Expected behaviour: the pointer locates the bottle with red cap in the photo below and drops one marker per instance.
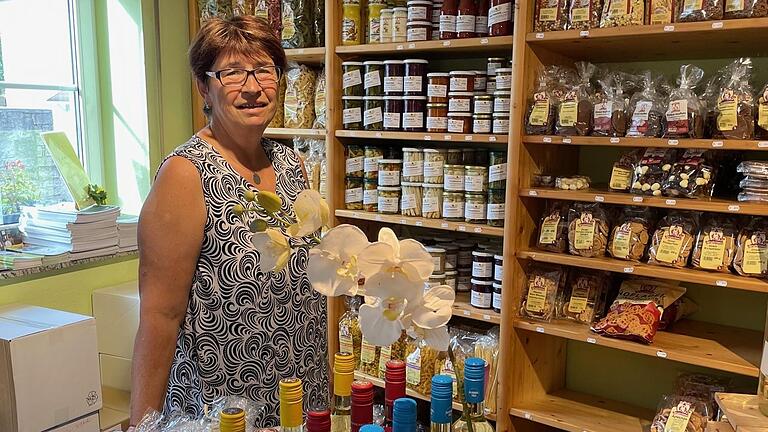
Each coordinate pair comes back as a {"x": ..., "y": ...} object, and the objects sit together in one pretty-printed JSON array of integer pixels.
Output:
[
  {"x": 394, "y": 388},
  {"x": 362, "y": 404},
  {"x": 318, "y": 421}
]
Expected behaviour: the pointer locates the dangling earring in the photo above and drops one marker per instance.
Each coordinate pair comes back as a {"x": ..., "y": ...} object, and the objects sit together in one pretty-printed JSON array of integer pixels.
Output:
[{"x": 207, "y": 109}]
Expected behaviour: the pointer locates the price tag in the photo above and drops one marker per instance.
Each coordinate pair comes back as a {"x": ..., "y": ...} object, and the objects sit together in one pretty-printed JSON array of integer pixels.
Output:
[
  {"x": 547, "y": 139},
  {"x": 399, "y": 47},
  {"x": 721, "y": 283},
  {"x": 762, "y": 144},
  {"x": 671, "y": 202},
  {"x": 669, "y": 28},
  {"x": 527, "y": 416},
  {"x": 615, "y": 140},
  {"x": 403, "y": 221},
  {"x": 566, "y": 140},
  {"x": 492, "y": 138},
  {"x": 629, "y": 269},
  {"x": 637, "y": 199},
  {"x": 444, "y": 225},
  {"x": 467, "y": 313},
  {"x": 411, "y": 45},
  {"x": 599, "y": 198},
  {"x": 734, "y": 208},
  {"x": 484, "y": 41},
  {"x": 533, "y": 193},
  {"x": 661, "y": 354},
  {"x": 539, "y": 329},
  {"x": 584, "y": 33},
  {"x": 378, "y": 217},
  {"x": 447, "y": 137},
  {"x": 462, "y": 228},
  {"x": 300, "y": 51},
  {"x": 468, "y": 137},
  {"x": 717, "y": 144},
  {"x": 478, "y": 230},
  {"x": 447, "y": 43},
  {"x": 419, "y": 223},
  {"x": 539, "y": 35},
  {"x": 378, "y": 135},
  {"x": 717, "y": 25},
  {"x": 673, "y": 142},
  {"x": 591, "y": 340},
  {"x": 427, "y": 137},
  {"x": 487, "y": 317}
]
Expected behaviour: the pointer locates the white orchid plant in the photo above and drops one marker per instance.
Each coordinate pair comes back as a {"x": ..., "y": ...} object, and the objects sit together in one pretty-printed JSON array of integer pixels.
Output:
[{"x": 390, "y": 273}]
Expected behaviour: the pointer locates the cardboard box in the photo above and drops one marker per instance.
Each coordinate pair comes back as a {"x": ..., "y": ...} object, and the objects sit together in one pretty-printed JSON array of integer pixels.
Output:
[
  {"x": 114, "y": 413},
  {"x": 89, "y": 423},
  {"x": 49, "y": 368},
  {"x": 116, "y": 310},
  {"x": 115, "y": 372}
]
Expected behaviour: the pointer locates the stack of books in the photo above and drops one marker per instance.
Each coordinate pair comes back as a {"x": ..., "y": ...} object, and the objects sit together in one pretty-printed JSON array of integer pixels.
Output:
[
  {"x": 16, "y": 260},
  {"x": 127, "y": 228}
]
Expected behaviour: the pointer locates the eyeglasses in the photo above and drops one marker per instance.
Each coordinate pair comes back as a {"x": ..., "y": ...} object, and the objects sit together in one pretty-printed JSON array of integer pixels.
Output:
[{"x": 264, "y": 75}]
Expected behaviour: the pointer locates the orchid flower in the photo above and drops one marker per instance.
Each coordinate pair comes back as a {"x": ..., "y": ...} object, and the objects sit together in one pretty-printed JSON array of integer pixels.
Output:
[
  {"x": 380, "y": 320},
  {"x": 428, "y": 319},
  {"x": 332, "y": 267},
  {"x": 312, "y": 213},
  {"x": 273, "y": 248}
]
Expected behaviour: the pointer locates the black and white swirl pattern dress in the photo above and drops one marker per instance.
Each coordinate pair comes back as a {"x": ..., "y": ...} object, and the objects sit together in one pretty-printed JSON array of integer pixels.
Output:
[{"x": 245, "y": 329}]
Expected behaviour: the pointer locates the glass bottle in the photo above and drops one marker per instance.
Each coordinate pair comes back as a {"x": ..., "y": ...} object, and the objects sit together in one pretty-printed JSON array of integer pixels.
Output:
[
  {"x": 232, "y": 420},
  {"x": 474, "y": 394},
  {"x": 404, "y": 415},
  {"x": 291, "y": 405},
  {"x": 319, "y": 421},
  {"x": 441, "y": 409},
  {"x": 343, "y": 375},
  {"x": 371, "y": 428},
  {"x": 362, "y": 404},
  {"x": 394, "y": 388}
]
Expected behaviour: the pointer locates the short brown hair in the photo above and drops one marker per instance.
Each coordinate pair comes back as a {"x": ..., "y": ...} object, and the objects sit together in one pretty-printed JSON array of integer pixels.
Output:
[{"x": 241, "y": 35}]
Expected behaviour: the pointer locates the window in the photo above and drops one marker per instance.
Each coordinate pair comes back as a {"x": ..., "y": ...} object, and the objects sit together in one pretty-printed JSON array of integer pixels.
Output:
[{"x": 39, "y": 92}]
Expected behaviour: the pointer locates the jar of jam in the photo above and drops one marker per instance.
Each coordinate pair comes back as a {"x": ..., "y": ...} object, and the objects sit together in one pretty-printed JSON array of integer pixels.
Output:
[
  {"x": 373, "y": 116},
  {"x": 462, "y": 81},
  {"x": 490, "y": 85},
  {"x": 437, "y": 6},
  {"x": 498, "y": 268},
  {"x": 394, "y": 73},
  {"x": 453, "y": 206},
  {"x": 501, "y": 123},
  {"x": 481, "y": 123},
  {"x": 474, "y": 208},
  {"x": 480, "y": 80},
  {"x": 482, "y": 265},
  {"x": 504, "y": 79},
  {"x": 464, "y": 280},
  {"x": 448, "y": 19},
  {"x": 420, "y": 10},
  {"x": 415, "y": 79},
  {"x": 502, "y": 101},
  {"x": 352, "y": 116},
  {"x": 453, "y": 178},
  {"x": 495, "y": 63},
  {"x": 496, "y": 207},
  {"x": 483, "y": 104},
  {"x": 371, "y": 196},
  {"x": 500, "y": 18},
  {"x": 481, "y": 19},
  {"x": 450, "y": 279},
  {"x": 496, "y": 301},
  {"x": 385, "y": 25},
  {"x": 460, "y": 123},
  {"x": 454, "y": 157},
  {"x": 482, "y": 294},
  {"x": 437, "y": 117},
  {"x": 465, "y": 19},
  {"x": 419, "y": 31},
  {"x": 436, "y": 30},
  {"x": 437, "y": 87},
  {"x": 413, "y": 114},
  {"x": 373, "y": 80},
  {"x": 399, "y": 24},
  {"x": 465, "y": 255},
  {"x": 460, "y": 102},
  {"x": 352, "y": 79},
  {"x": 393, "y": 112}
]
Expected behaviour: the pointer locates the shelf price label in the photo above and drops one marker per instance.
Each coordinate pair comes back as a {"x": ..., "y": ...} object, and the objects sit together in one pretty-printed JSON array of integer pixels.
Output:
[
  {"x": 591, "y": 340},
  {"x": 539, "y": 35},
  {"x": 533, "y": 193},
  {"x": 468, "y": 137},
  {"x": 427, "y": 137},
  {"x": 615, "y": 140},
  {"x": 599, "y": 198},
  {"x": 539, "y": 329},
  {"x": 584, "y": 33},
  {"x": 492, "y": 138},
  {"x": 661, "y": 354},
  {"x": 717, "y": 144},
  {"x": 673, "y": 142},
  {"x": 411, "y": 45},
  {"x": 478, "y": 230},
  {"x": 671, "y": 202},
  {"x": 717, "y": 25},
  {"x": 399, "y": 47},
  {"x": 447, "y": 43},
  {"x": 403, "y": 221},
  {"x": 669, "y": 28},
  {"x": 444, "y": 225},
  {"x": 461, "y": 228},
  {"x": 419, "y": 223},
  {"x": 547, "y": 139},
  {"x": 378, "y": 217},
  {"x": 721, "y": 283},
  {"x": 734, "y": 208},
  {"x": 567, "y": 141},
  {"x": 484, "y": 41},
  {"x": 762, "y": 144},
  {"x": 629, "y": 269},
  {"x": 487, "y": 317},
  {"x": 378, "y": 135},
  {"x": 637, "y": 199},
  {"x": 467, "y": 313},
  {"x": 447, "y": 137},
  {"x": 300, "y": 51},
  {"x": 527, "y": 416}
]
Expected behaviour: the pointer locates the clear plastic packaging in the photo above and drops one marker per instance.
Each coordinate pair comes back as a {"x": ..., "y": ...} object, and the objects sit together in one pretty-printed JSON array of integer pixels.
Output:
[
  {"x": 278, "y": 121},
  {"x": 631, "y": 234},
  {"x": 551, "y": 15},
  {"x": 584, "y": 14},
  {"x": 242, "y": 7},
  {"x": 588, "y": 229},
  {"x": 715, "y": 244},
  {"x": 673, "y": 241},
  {"x": 553, "y": 227},
  {"x": 350, "y": 335},
  {"x": 610, "y": 113},
  {"x": 541, "y": 289},
  {"x": 623, "y": 170},
  {"x": 623, "y": 13},
  {"x": 646, "y": 109},
  {"x": 652, "y": 171},
  {"x": 299, "y": 96},
  {"x": 735, "y": 109},
  {"x": 693, "y": 176},
  {"x": 745, "y": 9},
  {"x": 583, "y": 297},
  {"x": 298, "y": 27},
  {"x": 576, "y": 109},
  {"x": 320, "y": 107},
  {"x": 699, "y": 10},
  {"x": 176, "y": 421},
  {"x": 689, "y": 413},
  {"x": 577, "y": 182},
  {"x": 752, "y": 249},
  {"x": 757, "y": 169},
  {"x": 420, "y": 361},
  {"x": 762, "y": 114},
  {"x": 686, "y": 113},
  {"x": 542, "y": 106}
]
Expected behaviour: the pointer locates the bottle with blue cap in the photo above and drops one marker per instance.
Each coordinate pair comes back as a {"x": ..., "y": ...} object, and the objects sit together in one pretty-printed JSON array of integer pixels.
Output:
[
  {"x": 474, "y": 394},
  {"x": 404, "y": 415},
  {"x": 441, "y": 408}
]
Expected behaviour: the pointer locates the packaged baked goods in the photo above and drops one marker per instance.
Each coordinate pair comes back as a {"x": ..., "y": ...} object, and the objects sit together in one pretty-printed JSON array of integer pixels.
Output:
[
  {"x": 575, "y": 112},
  {"x": 652, "y": 171},
  {"x": 588, "y": 229},
  {"x": 685, "y": 113},
  {"x": 541, "y": 287},
  {"x": 553, "y": 228},
  {"x": 583, "y": 296},
  {"x": 736, "y": 103},
  {"x": 622, "y": 13},
  {"x": 702, "y": 387},
  {"x": 709, "y": 98},
  {"x": 350, "y": 335},
  {"x": 754, "y": 169},
  {"x": 745, "y": 9},
  {"x": 680, "y": 413},
  {"x": 761, "y": 130},
  {"x": 692, "y": 176},
  {"x": 752, "y": 249},
  {"x": 584, "y": 14},
  {"x": 542, "y": 107},
  {"x": 699, "y": 10},
  {"x": 715, "y": 244},
  {"x": 623, "y": 170},
  {"x": 636, "y": 312},
  {"x": 577, "y": 182},
  {"x": 661, "y": 12},
  {"x": 631, "y": 234},
  {"x": 551, "y": 15},
  {"x": 646, "y": 109},
  {"x": 299, "y": 96},
  {"x": 420, "y": 361},
  {"x": 610, "y": 114},
  {"x": 678, "y": 310},
  {"x": 320, "y": 86},
  {"x": 754, "y": 185},
  {"x": 673, "y": 239}
]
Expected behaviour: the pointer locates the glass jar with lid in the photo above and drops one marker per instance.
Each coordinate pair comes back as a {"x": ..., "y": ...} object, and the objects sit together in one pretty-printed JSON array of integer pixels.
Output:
[
  {"x": 448, "y": 19},
  {"x": 373, "y": 116},
  {"x": 413, "y": 164},
  {"x": 353, "y": 193},
  {"x": 490, "y": 85},
  {"x": 465, "y": 19},
  {"x": 352, "y": 78},
  {"x": 413, "y": 114},
  {"x": 501, "y": 123},
  {"x": 496, "y": 207},
  {"x": 394, "y": 73},
  {"x": 399, "y": 24},
  {"x": 481, "y": 18},
  {"x": 373, "y": 80},
  {"x": 385, "y": 25},
  {"x": 460, "y": 123},
  {"x": 450, "y": 278},
  {"x": 453, "y": 178},
  {"x": 474, "y": 208},
  {"x": 475, "y": 178},
  {"x": 371, "y": 162},
  {"x": 419, "y": 31},
  {"x": 453, "y": 206},
  {"x": 451, "y": 255},
  {"x": 464, "y": 280},
  {"x": 465, "y": 254},
  {"x": 500, "y": 18},
  {"x": 393, "y": 112},
  {"x": 434, "y": 161},
  {"x": 460, "y": 102},
  {"x": 482, "y": 294},
  {"x": 373, "y": 23},
  {"x": 438, "y": 258},
  {"x": 501, "y": 101},
  {"x": 437, "y": 87},
  {"x": 504, "y": 79},
  {"x": 497, "y": 171},
  {"x": 461, "y": 81},
  {"x": 354, "y": 157},
  {"x": 437, "y": 117},
  {"x": 420, "y": 10},
  {"x": 469, "y": 156},
  {"x": 493, "y": 64},
  {"x": 410, "y": 199},
  {"x": 435, "y": 279},
  {"x": 483, "y": 104},
  {"x": 481, "y": 123},
  {"x": 481, "y": 79},
  {"x": 454, "y": 156},
  {"x": 482, "y": 265},
  {"x": 389, "y": 200},
  {"x": 352, "y": 116},
  {"x": 389, "y": 172},
  {"x": 496, "y": 301},
  {"x": 432, "y": 200},
  {"x": 415, "y": 76},
  {"x": 370, "y": 196},
  {"x": 436, "y": 27}
]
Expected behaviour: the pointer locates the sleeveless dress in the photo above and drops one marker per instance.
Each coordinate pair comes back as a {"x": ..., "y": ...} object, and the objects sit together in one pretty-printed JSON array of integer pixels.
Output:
[{"x": 245, "y": 329}]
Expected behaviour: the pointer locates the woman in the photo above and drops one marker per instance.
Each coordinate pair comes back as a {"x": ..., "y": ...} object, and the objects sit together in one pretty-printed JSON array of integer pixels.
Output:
[{"x": 212, "y": 322}]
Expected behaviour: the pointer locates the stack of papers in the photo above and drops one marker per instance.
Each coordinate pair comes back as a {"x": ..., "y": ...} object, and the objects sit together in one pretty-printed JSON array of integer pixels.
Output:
[
  {"x": 12, "y": 260},
  {"x": 127, "y": 228}
]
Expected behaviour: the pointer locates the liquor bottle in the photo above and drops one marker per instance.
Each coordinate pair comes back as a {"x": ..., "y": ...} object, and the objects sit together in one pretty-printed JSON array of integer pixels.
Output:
[
  {"x": 441, "y": 409},
  {"x": 371, "y": 428},
  {"x": 394, "y": 388},
  {"x": 362, "y": 404},
  {"x": 232, "y": 420},
  {"x": 343, "y": 375},
  {"x": 474, "y": 394},
  {"x": 291, "y": 405},
  {"x": 404, "y": 415},
  {"x": 319, "y": 421}
]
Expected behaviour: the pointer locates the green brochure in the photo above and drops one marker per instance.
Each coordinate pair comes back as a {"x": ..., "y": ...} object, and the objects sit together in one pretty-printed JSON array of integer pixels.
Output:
[{"x": 69, "y": 166}]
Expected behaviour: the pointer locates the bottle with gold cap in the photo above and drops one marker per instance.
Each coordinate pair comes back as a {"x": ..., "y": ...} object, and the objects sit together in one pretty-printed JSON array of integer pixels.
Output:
[
  {"x": 291, "y": 405},
  {"x": 232, "y": 420},
  {"x": 343, "y": 375}
]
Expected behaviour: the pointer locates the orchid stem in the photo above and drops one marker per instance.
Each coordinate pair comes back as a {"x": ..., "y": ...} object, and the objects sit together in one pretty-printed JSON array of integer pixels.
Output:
[{"x": 460, "y": 390}]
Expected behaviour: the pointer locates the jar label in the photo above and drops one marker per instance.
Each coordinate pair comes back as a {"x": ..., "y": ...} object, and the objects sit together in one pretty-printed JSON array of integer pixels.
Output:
[
  {"x": 490, "y": 87},
  {"x": 371, "y": 164},
  {"x": 413, "y": 83},
  {"x": 459, "y": 105},
  {"x": 352, "y": 115},
  {"x": 465, "y": 257},
  {"x": 453, "y": 182},
  {"x": 389, "y": 178},
  {"x": 388, "y": 204},
  {"x": 392, "y": 120},
  {"x": 501, "y": 104},
  {"x": 498, "y": 270},
  {"x": 497, "y": 172},
  {"x": 433, "y": 168},
  {"x": 408, "y": 202},
  {"x": 458, "y": 84},
  {"x": 417, "y": 13},
  {"x": 372, "y": 79},
  {"x": 481, "y": 24},
  {"x": 414, "y": 120},
  {"x": 413, "y": 168},
  {"x": 474, "y": 211},
  {"x": 393, "y": 84},
  {"x": 399, "y": 27},
  {"x": 497, "y": 300},
  {"x": 499, "y": 14},
  {"x": 492, "y": 66},
  {"x": 349, "y": 30},
  {"x": 367, "y": 352},
  {"x": 370, "y": 196},
  {"x": 352, "y": 78},
  {"x": 416, "y": 34},
  {"x": 482, "y": 269},
  {"x": 437, "y": 263},
  {"x": 495, "y": 211},
  {"x": 480, "y": 82},
  {"x": 481, "y": 300},
  {"x": 465, "y": 24},
  {"x": 353, "y": 195},
  {"x": 501, "y": 126},
  {"x": 355, "y": 164},
  {"x": 453, "y": 209},
  {"x": 437, "y": 90},
  {"x": 438, "y": 123},
  {"x": 474, "y": 183},
  {"x": 448, "y": 23},
  {"x": 372, "y": 116},
  {"x": 481, "y": 126},
  {"x": 456, "y": 125},
  {"x": 503, "y": 82},
  {"x": 430, "y": 205},
  {"x": 483, "y": 107}
]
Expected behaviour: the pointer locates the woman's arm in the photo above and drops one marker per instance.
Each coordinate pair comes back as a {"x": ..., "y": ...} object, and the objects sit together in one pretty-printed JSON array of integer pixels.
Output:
[{"x": 170, "y": 236}]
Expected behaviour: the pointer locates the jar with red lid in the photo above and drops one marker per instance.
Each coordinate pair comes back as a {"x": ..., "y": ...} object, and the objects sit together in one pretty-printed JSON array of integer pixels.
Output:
[
  {"x": 393, "y": 112},
  {"x": 500, "y": 18},
  {"x": 437, "y": 87},
  {"x": 481, "y": 18},
  {"x": 415, "y": 76},
  {"x": 437, "y": 117},
  {"x": 413, "y": 114},
  {"x": 460, "y": 123},
  {"x": 462, "y": 81},
  {"x": 448, "y": 19},
  {"x": 465, "y": 19}
]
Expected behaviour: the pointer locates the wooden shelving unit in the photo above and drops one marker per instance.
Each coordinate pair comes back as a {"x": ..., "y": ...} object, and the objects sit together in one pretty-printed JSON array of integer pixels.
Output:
[
  {"x": 438, "y": 224},
  {"x": 498, "y": 140},
  {"x": 462, "y": 308},
  {"x": 306, "y": 55},
  {"x": 649, "y": 142},
  {"x": 287, "y": 133},
  {"x": 489, "y": 45}
]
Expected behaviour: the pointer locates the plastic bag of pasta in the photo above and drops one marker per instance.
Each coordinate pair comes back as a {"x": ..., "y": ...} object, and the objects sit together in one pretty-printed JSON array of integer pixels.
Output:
[
  {"x": 320, "y": 109},
  {"x": 278, "y": 120},
  {"x": 396, "y": 351},
  {"x": 242, "y": 7},
  {"x": 420, "y": 361},
  {"x": 299, "y": 96},
  {"x": 350, "y": 335},
  {"x": 369, "y": 358},
  {"x": 298, "y": 28}
]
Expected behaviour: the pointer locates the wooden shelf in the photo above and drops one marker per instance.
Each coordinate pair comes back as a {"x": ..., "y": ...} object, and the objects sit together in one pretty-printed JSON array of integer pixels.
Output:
[
  {"x": 462, "y": 308},
  {"x": 742, "y": 411},
  {"x": 500, "y": 140},
  {"x": 601, "y": 195},
  {"x": 286, "y": 133},
  {"x": 421, "y": 222},
  {"x": 578, "y": 412},
  {"x": 710, "y": 39},
  {"x": 713, "y": 346},
  {"x": 306, "y": 55},
  {"x": 724, "y": 280},
  {"x": 649, "y": 142},
  {"x": 480, "y": 46}
]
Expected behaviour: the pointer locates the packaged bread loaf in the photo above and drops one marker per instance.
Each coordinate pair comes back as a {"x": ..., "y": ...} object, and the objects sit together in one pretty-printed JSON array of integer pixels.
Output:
[
  {"x": 652, "y": 171},
  {"x": 715, "y": 244},
  {"x": 540, "y": 292},
  {"x": 588, "y": 229},
  {"x": 692, "y": 176},
  {"x": 680, "y": 413},
  {"x": 646, "y": 108},
  {"x": 685, "y": 112},
  {"x": 583, "y": 296},
  {"x": 736, "y": 103},
  {"x": 631, "y": 234},
  {"x": 752, "y": 249},
  {"x": 553, "y": 227},
  {"x": 575, "y": 112},
  {"x": 551, "y": 15},
  {"x": 542, "y": 107},
  {"x": 672, "y": 242}
]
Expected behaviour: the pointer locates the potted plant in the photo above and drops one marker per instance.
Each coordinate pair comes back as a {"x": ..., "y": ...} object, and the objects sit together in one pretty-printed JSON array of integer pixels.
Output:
[{"x": 17, "y": 189}]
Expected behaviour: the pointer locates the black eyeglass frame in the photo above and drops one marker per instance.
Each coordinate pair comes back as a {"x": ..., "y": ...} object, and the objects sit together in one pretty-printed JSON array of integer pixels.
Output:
[{"x": 248, "y": 72}]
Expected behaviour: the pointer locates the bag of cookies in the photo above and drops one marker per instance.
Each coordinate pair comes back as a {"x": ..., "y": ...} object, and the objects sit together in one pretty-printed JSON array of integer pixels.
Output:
[
  {"x": 681, "y": 413},
  {"x": 610, "y": 114},
  {"x": 703, "y": 387},
  {"x": 542, "y": 107},
  {"x": 588, "y": 229},
  {"x": 646, "y": 109},
  {"x": 575, "y": 112},
  {"x": 541, "y": 287},
  {"x": 623, "y": 170},
  {"x": 673, "y": 240},
  {"x": 699, "y": 10},
  {"x": 652, "y": 170},
  {"x": 631, "y": 234},
  {"x": 752, "y": 249},
  {"x": 636, "y": 312},
  {"x": 736, "y": 102},
  {"x": 761, "y": 131},
  {"x": 551, "y": 15},
  {"x": 553, "y": 227},
  {"x": 745, "y": 9},
  {"x": 584, "y": 14},
  {"x": 715, "y": 244},
  {"x": 692, "y": 176},
  {"x": 583, "y": 297},
  {"x": 685, "y": 112}
]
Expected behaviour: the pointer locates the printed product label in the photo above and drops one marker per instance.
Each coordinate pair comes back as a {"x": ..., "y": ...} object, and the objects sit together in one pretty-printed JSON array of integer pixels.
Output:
[
  {"x": 370, "y": 196},
  {"x": 453, "y": 209},
  {"x": 408, "y": 202},
  {"x": 619, "y": 7},
  {"x": 459, "y": 105},
  {"x": 453, "y": 182},
  {"x": 495, "y": 212},
  {"x": 352, "y": 78},
  {"x": 548, "y": 14},
  {"x": 503, "y": 82},
  {"x": 367, "y": 352},
  {"x": 620, "y": 178},
  {"x": 417, "y": 13},
  {"x": 691, "y": 6},
  {"x": 580, "y": 14},
  {"x": 548, "y": 233},
  {"x": 755, "y": 255},
  {"x": 503, "y": 12},
  {"x": 465, "y": 23},
  {"x": 393, "y": 84},
  {"x": 416, "y": 34},
  {"x": 481, "y": 24},
  {"x": 671, "y": 244},
  {"x": 413, "y": 168},
  {"x": 680, "y": 416},
  {"x": 474, "y": 183},
  {"x": 726, "y": 119},
  {"x": 568, "y": 111},
  {"x": 762, "y": 115},
  {"x": 496, "y": 300},
  {"x": 678, "y": 110},
  {"x": 540, "y": 112},
  {"x": 371, "y": 116},
  {"x": 498, "y": 271},
  {"x": 458, "y": 84},
  {"x": 734, "y": 5},
  {"x": 437, "y": 90},
  {"x": 352, "y": 115},
  {"x": 433, "y": 168},
  {"x": 474, "y": 211},
  {"x": 481, "y": 126},
  {"x": 353, "y": 195},
  {"x": 500, "y": 126},
  {"x": 501, "y": 104},
  {"x": 413, "y": 120},
  {"x": 371, "y": 164},
  {"x": 483, "y": 107},
  {"x": 448, "y": 23},
  {"x": 621, "y": 241},
  {"x": 497, "y": 172},
  {"x": 389, "y": 178},
  {"x": 481, "y": 300},
  {"x": 355, "y": 164},
  {"x": 385, "y": 355},
  {"x": 412, "y": 83},
  {"x": 392, "y": 120},
  {"x": 430, "y": 205},
  {"x": 482, "y": 269},
  {"x": 585, "y": 232},
  {"x": 388, "y": 204},
  {"x": 413, "y": 368},
  {"x": 372, "y": 79},
  {"x": 713, "y": 250},
  {"x": 456, "y": 125},
  {"x": 345, "y": 343},
  {"x": 537, "y": 296},
  {"x": 440, "y": 123}
]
